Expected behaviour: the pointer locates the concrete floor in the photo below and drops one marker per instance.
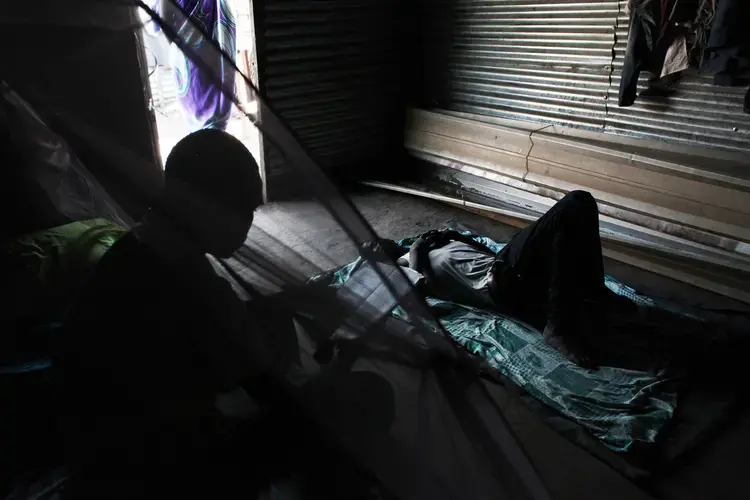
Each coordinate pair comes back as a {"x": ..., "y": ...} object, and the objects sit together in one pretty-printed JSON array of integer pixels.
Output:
[
  {"x": 302, "y": 236},
  {"x": 305, "y": 228}
]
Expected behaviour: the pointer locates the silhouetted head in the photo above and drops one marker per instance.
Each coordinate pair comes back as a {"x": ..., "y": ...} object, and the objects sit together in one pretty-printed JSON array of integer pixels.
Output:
[{"x": 212, "y": 187}]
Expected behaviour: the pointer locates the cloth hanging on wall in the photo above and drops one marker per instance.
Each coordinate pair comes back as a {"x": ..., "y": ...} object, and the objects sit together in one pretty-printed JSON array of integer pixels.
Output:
[
  {"x": 666, "y": 37},
  {"x": 728, "y": 49},
  {"x": 203, "y": 103}
]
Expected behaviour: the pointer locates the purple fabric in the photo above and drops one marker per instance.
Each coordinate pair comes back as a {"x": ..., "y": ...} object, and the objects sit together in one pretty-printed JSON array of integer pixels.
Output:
[{"x": 203, "y": 103}]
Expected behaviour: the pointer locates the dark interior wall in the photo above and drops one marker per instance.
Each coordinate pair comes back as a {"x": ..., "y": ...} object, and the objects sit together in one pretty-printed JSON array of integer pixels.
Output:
[
  {"x": 429, "y": 39},
  {"x": 76, "y": 75},
  {"x": 334, "y": 72}
]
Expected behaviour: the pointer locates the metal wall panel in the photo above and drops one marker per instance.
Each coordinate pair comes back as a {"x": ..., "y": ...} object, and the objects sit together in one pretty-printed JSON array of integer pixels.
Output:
[
  {"x": 332, "y": 71},
  {"x": 553, "y": 62},
  {"x": 699, "y": 113},
  {"x": 529, "y": 60}
]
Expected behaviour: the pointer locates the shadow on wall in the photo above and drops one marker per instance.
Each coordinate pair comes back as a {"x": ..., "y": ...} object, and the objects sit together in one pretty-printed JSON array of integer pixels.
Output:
[
  {"x": 429, "y": 73},
  {"x": 425, "y": 37}
]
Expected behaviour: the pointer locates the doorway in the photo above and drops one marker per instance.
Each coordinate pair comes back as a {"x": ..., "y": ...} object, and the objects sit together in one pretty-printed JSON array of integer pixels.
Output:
[{"x": 172, "y": 118}]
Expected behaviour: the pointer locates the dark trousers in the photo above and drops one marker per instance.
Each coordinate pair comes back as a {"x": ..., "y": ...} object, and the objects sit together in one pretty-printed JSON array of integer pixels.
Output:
[{"x": 552, "y": 270}]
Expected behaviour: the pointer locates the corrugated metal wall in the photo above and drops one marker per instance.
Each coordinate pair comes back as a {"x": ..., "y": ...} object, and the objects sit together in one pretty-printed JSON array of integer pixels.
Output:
[
  {"x": 699, "y": 113},
  {"x": 332, "y": 71},
  {"x": 545, "y": 61},
  {"x": 552, "y": 61}
]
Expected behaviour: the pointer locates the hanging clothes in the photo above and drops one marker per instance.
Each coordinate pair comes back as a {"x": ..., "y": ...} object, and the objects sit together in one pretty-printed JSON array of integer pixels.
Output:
[
  {"x": 200, "y": 96},
  {"x": 666, "y": 37},
  {"x": 728, "y": 49}
]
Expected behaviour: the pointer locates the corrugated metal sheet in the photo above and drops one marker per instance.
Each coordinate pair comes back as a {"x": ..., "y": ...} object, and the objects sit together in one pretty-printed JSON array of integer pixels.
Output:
[
  {"x": 552, "y": 62},
  {"x": 542, "y": 61},
  {"x": 331, "y": 69},
  {"x": 699, "y": 113}
]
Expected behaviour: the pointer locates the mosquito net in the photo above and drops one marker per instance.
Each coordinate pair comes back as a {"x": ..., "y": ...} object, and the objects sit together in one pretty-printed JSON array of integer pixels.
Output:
[{"x": 362, "y": 366}]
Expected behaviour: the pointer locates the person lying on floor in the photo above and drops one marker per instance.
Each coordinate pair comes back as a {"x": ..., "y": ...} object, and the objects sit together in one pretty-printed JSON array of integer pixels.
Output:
[
  {"x": 549, "y": 275},
  {"x": 157, "y": 334}
]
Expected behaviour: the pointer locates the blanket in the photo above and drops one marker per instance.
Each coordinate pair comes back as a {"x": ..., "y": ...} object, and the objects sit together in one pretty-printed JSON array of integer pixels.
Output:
[{"x": 623, "y": 408}]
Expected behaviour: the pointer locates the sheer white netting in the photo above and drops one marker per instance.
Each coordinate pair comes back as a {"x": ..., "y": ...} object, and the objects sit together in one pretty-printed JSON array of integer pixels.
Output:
[{"x": 382, "y": 382}]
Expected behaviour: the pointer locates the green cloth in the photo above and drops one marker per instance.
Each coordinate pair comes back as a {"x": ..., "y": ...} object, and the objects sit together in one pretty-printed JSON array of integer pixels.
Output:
[
  {"x": 623, "y": 408},
  {"x": 42, "y": 274}
]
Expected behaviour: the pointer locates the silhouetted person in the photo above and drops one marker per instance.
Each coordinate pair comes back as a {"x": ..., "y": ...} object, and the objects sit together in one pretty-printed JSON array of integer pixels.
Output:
[{"x": 157, "y": 334}]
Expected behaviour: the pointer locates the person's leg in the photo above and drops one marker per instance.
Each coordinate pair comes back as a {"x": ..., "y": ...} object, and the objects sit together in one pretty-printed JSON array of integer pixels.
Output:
[
  {"x": 557, "y": 265},
  {"x": 560, "y": 251},
  {"x": 576, "y": 267}
]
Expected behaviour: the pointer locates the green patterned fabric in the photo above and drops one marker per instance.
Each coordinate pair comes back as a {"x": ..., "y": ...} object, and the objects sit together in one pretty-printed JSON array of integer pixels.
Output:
[
  {"x": 623, "y": 408},
  {"x": 48, "y": 265},
  {"x": 42, "y": 273}
]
